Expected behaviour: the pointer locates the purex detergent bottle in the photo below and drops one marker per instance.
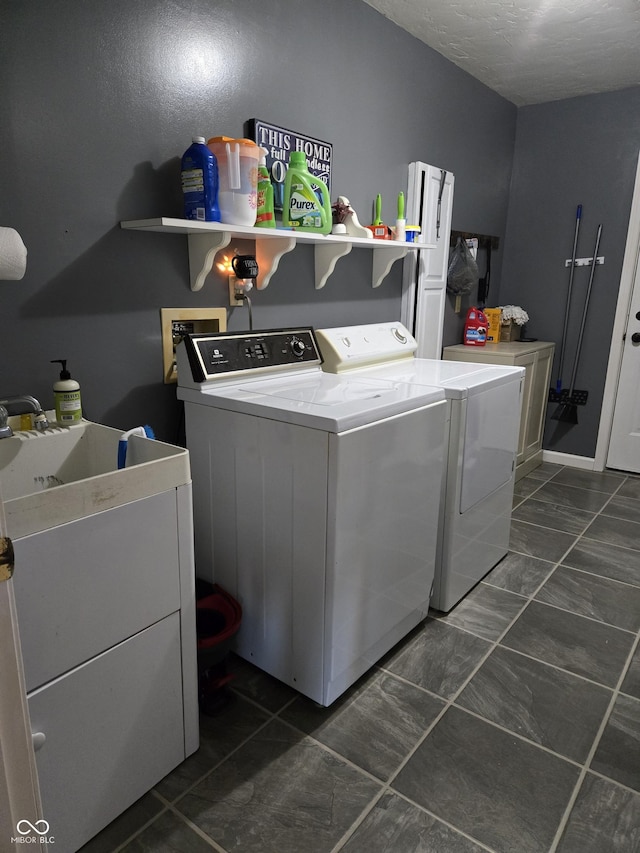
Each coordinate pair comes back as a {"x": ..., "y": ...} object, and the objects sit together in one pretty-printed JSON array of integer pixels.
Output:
[
  {"x": 302, "y": 209},
  {"x": 475, "y": 328}
]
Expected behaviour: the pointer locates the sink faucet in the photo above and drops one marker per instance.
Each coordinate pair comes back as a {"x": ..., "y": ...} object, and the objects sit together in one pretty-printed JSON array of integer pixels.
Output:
[
  {"x": 21, "y": 404},
  {"x": 5, "y": 429}
]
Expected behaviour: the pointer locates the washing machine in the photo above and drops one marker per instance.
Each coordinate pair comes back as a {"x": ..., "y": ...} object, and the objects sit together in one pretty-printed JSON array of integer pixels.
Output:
[
  {"x": 483, "y": 417},
  {"x": 315, "y": 501}
]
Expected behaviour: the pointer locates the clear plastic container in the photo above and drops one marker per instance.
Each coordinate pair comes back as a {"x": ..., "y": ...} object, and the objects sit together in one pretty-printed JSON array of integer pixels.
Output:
[{"x": 238, "y": 161}]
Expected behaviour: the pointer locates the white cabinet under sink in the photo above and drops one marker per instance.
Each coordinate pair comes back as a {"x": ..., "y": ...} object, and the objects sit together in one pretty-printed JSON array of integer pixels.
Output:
[
  {"x": 113, "y": 729},
  {"x": 106, "y": 614}
]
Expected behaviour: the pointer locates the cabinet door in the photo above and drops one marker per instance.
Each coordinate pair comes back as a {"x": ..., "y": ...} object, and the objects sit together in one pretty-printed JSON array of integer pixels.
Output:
[
  {"x": 87, "y": 585},
  {"x": 113, "y": 728},
  {"x": 538, "y": 405}
]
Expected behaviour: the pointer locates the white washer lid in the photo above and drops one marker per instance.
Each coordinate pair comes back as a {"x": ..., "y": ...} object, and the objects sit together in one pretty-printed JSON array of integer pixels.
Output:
[
  {"x": 458, "y": 379},
  {"x": 318, "y": 400}
]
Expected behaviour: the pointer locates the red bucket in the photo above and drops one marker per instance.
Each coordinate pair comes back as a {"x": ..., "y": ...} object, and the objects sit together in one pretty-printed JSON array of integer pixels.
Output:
[{"x": 218, "y": 617}]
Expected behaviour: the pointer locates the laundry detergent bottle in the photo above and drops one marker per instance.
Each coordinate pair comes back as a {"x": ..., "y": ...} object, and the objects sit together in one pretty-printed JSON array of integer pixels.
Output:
[
  {"x": 475, "y": 328},
  {"x": 302, "y": 208},
  {"x": 199, "y": 174}
]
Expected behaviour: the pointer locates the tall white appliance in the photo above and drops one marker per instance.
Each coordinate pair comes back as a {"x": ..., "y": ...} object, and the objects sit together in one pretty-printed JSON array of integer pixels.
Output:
[
  {"x": 483, "y": 417},
  {"x": 316, "y": 501}
]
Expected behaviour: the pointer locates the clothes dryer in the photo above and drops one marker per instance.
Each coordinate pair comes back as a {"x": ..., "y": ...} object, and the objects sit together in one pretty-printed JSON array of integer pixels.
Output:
[
  {"x": 483, "y": 417},
  {"x": 315, "y": 501}
]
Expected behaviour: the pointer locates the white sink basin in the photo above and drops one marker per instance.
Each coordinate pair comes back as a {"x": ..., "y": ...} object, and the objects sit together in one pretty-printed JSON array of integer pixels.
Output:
[{"x": 66, "y": 473}]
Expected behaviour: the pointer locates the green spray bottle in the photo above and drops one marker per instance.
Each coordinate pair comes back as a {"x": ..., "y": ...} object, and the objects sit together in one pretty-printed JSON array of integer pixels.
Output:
[
  {"x": 302, "y": 210},
  {"x": 265, "y": 217}
]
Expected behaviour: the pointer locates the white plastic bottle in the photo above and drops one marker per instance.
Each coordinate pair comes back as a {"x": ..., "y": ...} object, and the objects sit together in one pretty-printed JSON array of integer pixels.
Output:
[{"x": 67, "y": 396}]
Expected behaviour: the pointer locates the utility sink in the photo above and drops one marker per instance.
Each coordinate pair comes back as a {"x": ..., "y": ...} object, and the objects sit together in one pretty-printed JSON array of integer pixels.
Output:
[{"x": 66, "y": 473}]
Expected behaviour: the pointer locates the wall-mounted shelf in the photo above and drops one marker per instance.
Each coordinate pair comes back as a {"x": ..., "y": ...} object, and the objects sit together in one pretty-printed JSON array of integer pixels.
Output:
[{"x": 206, "y": 239}]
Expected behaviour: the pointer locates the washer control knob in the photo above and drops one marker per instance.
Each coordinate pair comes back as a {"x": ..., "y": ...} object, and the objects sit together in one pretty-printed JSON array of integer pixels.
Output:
[
  {"x": 635, "y": 337},
  {"x": 399, "y": 336},
  {"x": 298, "y": 347}
]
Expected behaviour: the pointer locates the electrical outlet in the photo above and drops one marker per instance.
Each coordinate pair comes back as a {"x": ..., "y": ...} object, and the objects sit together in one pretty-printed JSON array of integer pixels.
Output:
[
  {"x": 233, "y": 299},
  {"x": 180, "y": 321}
]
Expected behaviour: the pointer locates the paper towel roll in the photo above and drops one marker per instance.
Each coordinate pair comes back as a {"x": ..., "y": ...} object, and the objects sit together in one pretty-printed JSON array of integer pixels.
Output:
[{"x": 13, "y": 255}]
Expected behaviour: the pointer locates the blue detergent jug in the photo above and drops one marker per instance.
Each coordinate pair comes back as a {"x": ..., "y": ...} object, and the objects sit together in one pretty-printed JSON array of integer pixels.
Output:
[{"x": 200, "y": 182}]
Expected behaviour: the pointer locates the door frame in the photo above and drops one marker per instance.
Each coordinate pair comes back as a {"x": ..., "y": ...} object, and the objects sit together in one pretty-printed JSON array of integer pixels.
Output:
[
  {"x": 19, "y": 789},
  {"x": 627, "y": 279}
]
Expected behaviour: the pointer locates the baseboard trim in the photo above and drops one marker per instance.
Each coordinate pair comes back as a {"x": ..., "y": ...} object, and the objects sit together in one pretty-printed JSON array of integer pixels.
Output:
[{"x": 569, "y": 459}]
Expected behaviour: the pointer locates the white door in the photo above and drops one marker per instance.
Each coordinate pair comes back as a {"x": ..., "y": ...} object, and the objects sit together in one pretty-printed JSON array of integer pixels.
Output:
[
  {"x": 429, "y": 204},
  {"x": 624, "y": 445},
  {"x": 618, "y": 444}
]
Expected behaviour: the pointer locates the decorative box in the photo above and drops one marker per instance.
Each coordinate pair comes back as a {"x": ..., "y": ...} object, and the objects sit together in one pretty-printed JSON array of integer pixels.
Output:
[{"x": 509, "y": 331}]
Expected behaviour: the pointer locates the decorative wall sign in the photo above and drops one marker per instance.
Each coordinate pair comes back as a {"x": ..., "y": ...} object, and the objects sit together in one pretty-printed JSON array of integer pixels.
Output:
[{"x": 279, "y": 142}]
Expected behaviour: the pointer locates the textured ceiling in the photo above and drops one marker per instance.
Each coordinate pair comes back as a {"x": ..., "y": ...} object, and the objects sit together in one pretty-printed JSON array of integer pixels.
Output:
[{"x": 530, "y": 51}]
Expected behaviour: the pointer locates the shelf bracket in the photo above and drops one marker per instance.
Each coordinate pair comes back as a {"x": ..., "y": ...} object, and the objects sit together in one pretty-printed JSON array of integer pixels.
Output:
[
  {"x": 383, "y": 260},
  {"x": 268, "y": 254},
  {"x": 206, "y": 239},
  {"x": 326, "y": 258},
  {"x": 203, "y": 249}
]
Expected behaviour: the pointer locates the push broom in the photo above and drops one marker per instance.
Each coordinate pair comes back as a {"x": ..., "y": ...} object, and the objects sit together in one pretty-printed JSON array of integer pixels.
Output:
[
  {"x": 568, "y": 305},
  {"x": 568, "y": 410}
]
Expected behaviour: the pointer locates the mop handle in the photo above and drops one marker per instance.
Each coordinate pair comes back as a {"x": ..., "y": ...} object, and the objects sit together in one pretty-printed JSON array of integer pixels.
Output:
[
  {"x": 586, "y": 307},
  {"x": 566, "y": 312}
]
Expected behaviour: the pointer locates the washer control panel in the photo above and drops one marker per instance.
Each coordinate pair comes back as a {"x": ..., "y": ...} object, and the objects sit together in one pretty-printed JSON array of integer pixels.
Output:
[{"x": 228, "y": 353}]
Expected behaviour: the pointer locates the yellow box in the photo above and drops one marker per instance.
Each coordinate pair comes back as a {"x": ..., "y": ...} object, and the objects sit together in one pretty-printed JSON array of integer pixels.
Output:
[{"x": 493, "y": 328}]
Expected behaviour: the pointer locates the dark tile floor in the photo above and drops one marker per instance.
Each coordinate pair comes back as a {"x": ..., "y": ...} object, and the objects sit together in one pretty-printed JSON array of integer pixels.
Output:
[{"x": 510, "y": 724}]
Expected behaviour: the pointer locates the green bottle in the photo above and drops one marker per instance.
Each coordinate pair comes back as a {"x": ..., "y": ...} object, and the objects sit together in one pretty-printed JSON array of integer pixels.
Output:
[
  {"x": 302, "y": 210},
  {"x": 265, "y": 217}
]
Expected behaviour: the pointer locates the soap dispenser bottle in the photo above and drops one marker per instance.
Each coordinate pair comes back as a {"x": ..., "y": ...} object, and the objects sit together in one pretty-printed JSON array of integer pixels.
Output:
[{"x": 67, "y": 396}]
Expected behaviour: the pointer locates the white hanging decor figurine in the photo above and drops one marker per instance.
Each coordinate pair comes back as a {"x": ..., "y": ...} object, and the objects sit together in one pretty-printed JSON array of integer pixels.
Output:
[{"x": 346, "y": 220}]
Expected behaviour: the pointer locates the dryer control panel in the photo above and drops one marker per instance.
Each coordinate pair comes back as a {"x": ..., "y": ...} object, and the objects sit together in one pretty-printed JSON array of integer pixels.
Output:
[
  {"x": 226, "y": 354},
  {"x": 372, "y": 345}
]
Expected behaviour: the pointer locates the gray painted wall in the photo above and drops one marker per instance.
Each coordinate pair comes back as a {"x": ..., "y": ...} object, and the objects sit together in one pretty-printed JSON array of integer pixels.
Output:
[
  {"x": 578, "y": 151},
  {"x": 99, "y": 100}
]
